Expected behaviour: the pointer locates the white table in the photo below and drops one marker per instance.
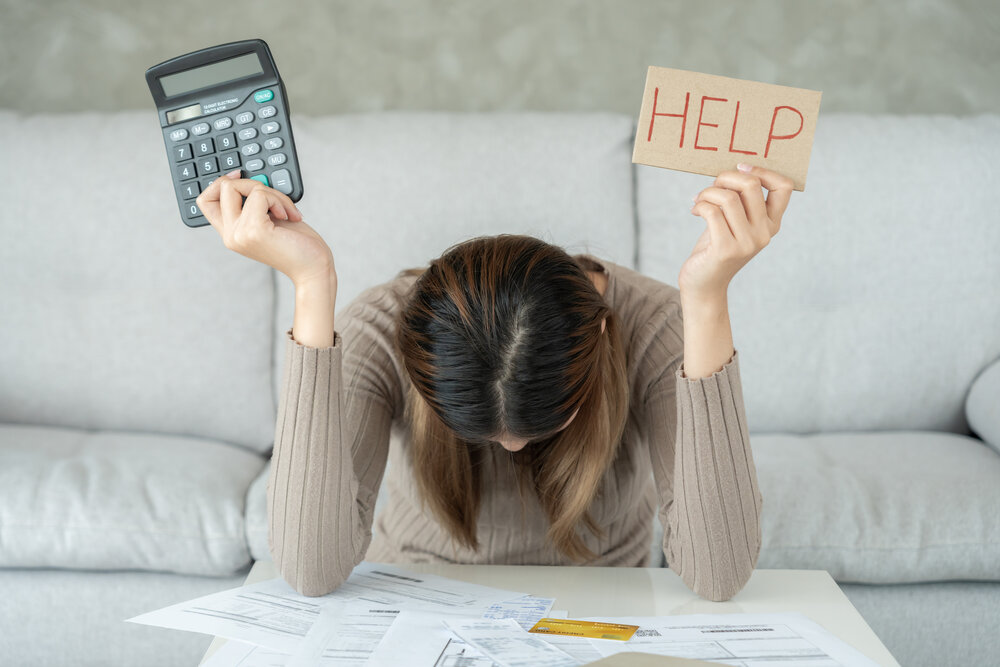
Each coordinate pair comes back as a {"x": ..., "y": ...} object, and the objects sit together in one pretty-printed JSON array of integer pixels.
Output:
[{"x": 654, "y": 591}]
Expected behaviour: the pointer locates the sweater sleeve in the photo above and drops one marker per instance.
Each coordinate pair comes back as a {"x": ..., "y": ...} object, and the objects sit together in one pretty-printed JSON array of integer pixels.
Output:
[
  {"x": 703, "y": 468},
  {"x": 330, "y": 449}
]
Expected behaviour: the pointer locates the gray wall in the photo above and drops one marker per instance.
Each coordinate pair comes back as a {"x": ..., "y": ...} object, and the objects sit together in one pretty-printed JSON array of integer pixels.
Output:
[{"x": 916, "y": 56}]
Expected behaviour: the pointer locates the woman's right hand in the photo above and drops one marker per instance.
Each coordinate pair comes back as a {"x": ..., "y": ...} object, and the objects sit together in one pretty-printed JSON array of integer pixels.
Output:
[{"x": 266, "y": 227}]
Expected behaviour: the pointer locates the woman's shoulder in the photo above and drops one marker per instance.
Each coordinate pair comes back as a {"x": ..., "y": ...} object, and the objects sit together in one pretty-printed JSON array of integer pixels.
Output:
[
  {"x": 638, "y": 299},
  {"x": 650, "y": 321},
  {"x": 380, "y": 303}
]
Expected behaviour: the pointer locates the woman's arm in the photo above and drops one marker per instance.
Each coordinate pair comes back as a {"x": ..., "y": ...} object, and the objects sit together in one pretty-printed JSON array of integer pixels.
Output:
[
  {"x": 703, "y": 470},
  {"x": 330, "y": 447},
  {"x": 740, "y": 223},
  {"x": 711, "y": 508}
]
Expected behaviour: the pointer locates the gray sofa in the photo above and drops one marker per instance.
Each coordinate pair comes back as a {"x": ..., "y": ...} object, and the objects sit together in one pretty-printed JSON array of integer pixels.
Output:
[{"x": 140, "y": 359}]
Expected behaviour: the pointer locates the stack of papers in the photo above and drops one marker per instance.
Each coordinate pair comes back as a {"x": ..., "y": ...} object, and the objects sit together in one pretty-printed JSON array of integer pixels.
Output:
[{"x": 385, "y": 615}]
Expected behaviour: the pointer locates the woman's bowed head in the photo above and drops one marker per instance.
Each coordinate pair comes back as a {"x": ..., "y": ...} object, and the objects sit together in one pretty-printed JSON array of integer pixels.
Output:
[{"x": 508, "y": 342}]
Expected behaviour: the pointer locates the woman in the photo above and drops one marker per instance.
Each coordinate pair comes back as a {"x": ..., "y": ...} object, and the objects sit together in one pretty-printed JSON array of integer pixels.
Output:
[{"x": 545, "y": 405}]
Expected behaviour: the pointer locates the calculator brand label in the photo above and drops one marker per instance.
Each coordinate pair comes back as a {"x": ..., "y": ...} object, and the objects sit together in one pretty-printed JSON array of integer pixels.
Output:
[{"x": 220, "y": 105}]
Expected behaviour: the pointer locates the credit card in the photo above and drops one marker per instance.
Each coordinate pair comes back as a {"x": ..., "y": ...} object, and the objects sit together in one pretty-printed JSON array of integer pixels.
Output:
[{"x": 589, "y": 629}]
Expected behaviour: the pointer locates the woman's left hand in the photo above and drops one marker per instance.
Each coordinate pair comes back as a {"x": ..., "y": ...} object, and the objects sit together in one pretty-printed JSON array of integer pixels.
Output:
[{"x": 740, "y": 223}]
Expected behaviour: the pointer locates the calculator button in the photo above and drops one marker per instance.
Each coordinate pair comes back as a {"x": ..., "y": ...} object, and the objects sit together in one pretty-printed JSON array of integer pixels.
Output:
[
  {"x": 250, "y": 149},
  {"x": 190, "y": 190},
  {"x": 262, "y": 96},
  {"x": 223, "y": 123},
  {"x": 229, "y": 160},
  {"x": 262, "y": 178},
  {"x": 254, "y": 165},
  {"x": 208, "y": 165},
  {"x": 270, "y": 128},
  {"x": 276, "y": 159},
  {"x": 205, "y": 182},
  {"x": 244, "y": 118},
  {"x": 273, "y": 143},
  {"x": 204, "y": 147},
  {"x": 266, "y": 112},
  {"x": 182, "y": 152},
  {"x": 186, "y": 171},
  {"x": 192, "y": 211},
  {"x": 226, "y": 142},
  {"x": 200, "y": 128},
  {"x": 247, "y": 133},
  {"x": 180, "y": 134},
  {"x": 282, "y": 181}
]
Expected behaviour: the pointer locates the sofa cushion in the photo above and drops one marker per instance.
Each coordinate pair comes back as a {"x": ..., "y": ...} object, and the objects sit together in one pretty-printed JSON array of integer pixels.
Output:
[
  {"x": 875, "y": 306},
  {"x": 982, "y": 407},
  {"x": 106, "y": 500},
  {"x": 116, "y": 315},
  {"x": 394, "y": 190},
  {"x": 256, "y": 516},
  {"x": 880, "y": 508}
]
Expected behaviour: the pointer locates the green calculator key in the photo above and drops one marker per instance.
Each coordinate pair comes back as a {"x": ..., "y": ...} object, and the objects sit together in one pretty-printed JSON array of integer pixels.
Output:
[
  {"x": 262, "y": 178},
  {"x": 262, "y": 96}
]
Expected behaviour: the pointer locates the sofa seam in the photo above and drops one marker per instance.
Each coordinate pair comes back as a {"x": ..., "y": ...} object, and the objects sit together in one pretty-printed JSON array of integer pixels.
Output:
[
  {"x": 120, "y": 530},
  {"x": 853, "y": 548}
]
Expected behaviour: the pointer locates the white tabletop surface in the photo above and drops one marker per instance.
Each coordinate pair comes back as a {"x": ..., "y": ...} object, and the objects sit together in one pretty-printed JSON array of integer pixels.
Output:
[{"x": 637, "y": 591}]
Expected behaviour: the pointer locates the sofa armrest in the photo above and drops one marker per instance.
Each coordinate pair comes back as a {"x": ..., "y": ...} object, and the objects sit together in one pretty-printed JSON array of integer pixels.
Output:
[{"x": 982, "y": 406}]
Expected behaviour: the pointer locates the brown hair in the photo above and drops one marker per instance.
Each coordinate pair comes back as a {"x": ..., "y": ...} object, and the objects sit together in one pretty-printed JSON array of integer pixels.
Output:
[{"x": 502, "y": 334}]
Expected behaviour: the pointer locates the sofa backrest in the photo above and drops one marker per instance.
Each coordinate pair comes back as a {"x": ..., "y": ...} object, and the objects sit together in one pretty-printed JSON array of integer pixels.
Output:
[
  {"x": 117, "y": 316},
  {"x": 113, "y": 314},
  {"x": 878, "y": 302},
  {"x": 874, "y": 308},
  {"x": 394, "y": 190}
]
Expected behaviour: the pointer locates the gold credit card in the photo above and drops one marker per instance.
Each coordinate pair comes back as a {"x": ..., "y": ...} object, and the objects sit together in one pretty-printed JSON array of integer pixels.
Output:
[{"x": 589, "y": 629}]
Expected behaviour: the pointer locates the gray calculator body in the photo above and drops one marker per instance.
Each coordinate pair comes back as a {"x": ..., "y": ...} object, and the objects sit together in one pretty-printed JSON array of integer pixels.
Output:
[{"x": 224, "y": 108}]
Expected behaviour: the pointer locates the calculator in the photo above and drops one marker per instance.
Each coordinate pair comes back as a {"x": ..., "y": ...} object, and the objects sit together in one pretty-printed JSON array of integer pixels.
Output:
[{"x": 224, "y": 108}]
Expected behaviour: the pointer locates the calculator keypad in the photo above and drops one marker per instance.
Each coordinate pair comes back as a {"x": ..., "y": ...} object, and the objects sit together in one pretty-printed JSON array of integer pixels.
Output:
[
  {"x": 182, "y": 152},
  {"x": 229, "y": 161},
  {"x": 208, "y": 147},
  {"x": 204, "y": 147}
]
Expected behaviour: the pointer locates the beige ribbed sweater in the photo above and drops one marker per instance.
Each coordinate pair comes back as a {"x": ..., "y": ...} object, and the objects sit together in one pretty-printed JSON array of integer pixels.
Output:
[{"x": 340, "y": 428}]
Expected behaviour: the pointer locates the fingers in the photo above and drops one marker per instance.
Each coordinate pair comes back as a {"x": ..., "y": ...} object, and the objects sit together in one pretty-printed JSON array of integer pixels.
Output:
[
  {"x": 244, "y": 186},
  {"x": 732, "y": 206},
  {"x": 722, "y": 235},
  {"x": 208, "y": 200},
  {"x": 230, "y": 201},
  {"x": 779, "y": 190},
  {"x": 749, "y": 188},
  {"x": 260, "y": 200}
]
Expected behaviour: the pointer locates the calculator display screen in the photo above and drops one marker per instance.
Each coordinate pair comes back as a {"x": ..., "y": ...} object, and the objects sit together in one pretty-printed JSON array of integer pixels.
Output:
[
  {"x": 177, "y": 115},
  {"x": 211, "y": 75}
]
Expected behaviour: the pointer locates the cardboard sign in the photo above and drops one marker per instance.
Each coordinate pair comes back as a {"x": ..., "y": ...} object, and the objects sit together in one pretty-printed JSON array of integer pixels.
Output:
[{"x": 705, "y": 124}]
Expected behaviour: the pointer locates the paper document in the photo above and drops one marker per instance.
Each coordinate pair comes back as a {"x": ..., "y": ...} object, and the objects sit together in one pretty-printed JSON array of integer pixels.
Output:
[
  {"x": 421, "y": 638},
  {"x": 747, "y": 640},
  {"x": 508, "y": 644},
  {"x": 269, "y": 614},
  {"x": 344, "y": 635},
  {"x": 241, "y": 654},
  {"x": 347, "y": 634},
  {"x": 272, "y": 614},
  {"x": 526, "y": 610}
]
